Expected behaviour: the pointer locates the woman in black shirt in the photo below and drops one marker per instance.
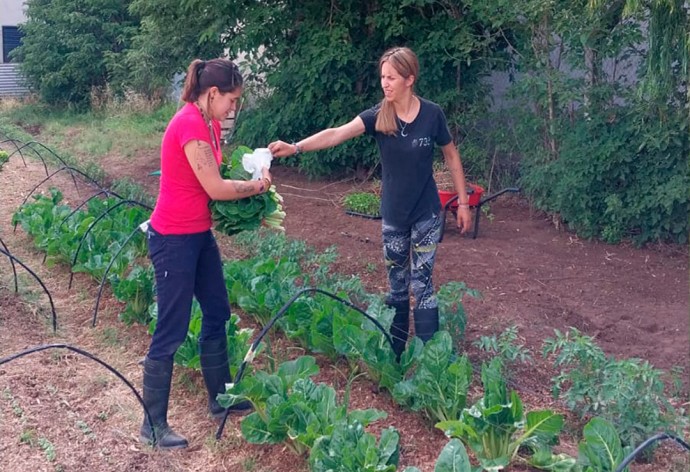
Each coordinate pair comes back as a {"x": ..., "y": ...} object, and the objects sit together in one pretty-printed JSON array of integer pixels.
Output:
[{"x": 406, "y": 128}]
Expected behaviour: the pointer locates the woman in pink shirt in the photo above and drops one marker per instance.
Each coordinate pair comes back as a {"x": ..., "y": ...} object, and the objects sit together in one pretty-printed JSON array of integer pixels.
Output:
[{"x": 182, "y": 247}]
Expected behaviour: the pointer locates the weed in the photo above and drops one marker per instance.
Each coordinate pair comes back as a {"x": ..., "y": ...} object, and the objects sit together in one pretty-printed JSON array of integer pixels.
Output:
[
  {"x": 28, "y": 436},
  {"x": 48, "y": 448},
  {"x": 17, "y": 410},
  {"x": 102, "y": 415},
  {"x": 186, "y": 380},
  {"x": 249, "y": 464},
  {"x": 102, "y": 380},
  {"x": 370, "y": 267},
  {"x": 504, "y": 345},
  {"x": 84, "y": 428},
  {"x": 110, "y": 336}
]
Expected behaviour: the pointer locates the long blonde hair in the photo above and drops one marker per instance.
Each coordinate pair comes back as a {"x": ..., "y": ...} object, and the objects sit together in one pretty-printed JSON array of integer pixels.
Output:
[{"x": 405, "y": 62}]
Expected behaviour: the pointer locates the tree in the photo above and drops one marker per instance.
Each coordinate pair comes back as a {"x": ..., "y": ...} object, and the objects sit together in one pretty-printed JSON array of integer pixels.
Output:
[
  {"x": 668, "y": 57},
  {"x": 72, "y": 46},
  {"x": 316, "y": 61},
  {"x": 170, "y": 36}
]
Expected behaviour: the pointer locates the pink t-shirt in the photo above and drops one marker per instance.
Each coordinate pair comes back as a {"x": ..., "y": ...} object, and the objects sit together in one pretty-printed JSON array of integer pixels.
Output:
[{"x": 182, "y": 206}]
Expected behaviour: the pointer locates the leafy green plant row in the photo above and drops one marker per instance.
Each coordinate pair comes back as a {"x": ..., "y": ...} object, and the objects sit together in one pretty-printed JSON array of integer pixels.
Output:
[
  {"x": 88, "y": 244},
  {"x": 414, "y": 383},
  {"x": 431, "y": 378}
]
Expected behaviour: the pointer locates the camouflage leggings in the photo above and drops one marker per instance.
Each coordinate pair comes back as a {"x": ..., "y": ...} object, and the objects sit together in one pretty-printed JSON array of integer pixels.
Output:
[{"x": 418, "y": 241}]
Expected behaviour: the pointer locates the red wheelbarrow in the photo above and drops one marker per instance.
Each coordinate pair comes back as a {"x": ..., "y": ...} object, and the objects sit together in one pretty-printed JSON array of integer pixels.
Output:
[{"x": 449, "y": 201}]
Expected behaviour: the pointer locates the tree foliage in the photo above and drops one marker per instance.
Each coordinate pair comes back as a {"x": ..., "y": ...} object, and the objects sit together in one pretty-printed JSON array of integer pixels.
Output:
[
  {"x": 314, "y": 65},
  {"x": 71, "y": 46},
  {"x": 594, "y": 125},
  {"x": 167, "y": 40}
]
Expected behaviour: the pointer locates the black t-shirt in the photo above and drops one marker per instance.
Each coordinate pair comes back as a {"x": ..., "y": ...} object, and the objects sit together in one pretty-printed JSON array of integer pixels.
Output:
[{"x": 408, "y": 188}]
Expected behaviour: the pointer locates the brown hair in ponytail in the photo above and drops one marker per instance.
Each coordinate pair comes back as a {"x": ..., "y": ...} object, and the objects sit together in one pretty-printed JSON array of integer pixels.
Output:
[
  {"x": 405, "y": 62},
  {"x": 202, "y": 75}
]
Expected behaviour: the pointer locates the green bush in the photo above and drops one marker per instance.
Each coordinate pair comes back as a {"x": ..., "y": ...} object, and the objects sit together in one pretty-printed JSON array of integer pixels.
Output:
[
  {"x": 618, "y": 177},
  {"x": 628, "y": 392}
]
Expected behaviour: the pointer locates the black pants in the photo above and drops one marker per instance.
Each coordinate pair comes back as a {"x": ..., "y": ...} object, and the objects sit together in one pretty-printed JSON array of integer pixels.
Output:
[{"x": 185, "y": 266}]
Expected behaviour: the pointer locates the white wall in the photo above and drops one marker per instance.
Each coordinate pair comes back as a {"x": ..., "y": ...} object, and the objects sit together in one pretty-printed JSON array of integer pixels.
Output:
[{"x": 11, "y": 12}]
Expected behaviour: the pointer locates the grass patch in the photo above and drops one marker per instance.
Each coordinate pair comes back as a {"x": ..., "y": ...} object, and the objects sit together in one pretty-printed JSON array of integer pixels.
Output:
[{"x": 89, "y": 135}]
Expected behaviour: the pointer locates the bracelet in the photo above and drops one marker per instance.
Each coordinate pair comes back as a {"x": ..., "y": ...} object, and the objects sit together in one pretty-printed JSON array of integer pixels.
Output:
[{"x": 298, "y": 149}]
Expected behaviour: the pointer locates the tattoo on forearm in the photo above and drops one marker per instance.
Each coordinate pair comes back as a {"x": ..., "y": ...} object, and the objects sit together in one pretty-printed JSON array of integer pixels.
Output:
[{"x": 243, "y": 187}]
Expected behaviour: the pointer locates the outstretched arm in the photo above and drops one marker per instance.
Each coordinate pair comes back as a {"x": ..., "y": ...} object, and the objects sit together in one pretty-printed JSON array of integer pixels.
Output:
[
  {"x": 325, "y": 139},
  {"x": 201, "y": 158}
]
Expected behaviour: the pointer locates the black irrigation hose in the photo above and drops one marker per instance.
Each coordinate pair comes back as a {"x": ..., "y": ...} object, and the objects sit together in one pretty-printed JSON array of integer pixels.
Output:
[
  {"x": 94, "y": 358},
  {"x": 105, "y": 275},
  {"x": 18, "y": 149},
  {"x": 249, "y": 357},
  {"x": 653, "y": 439},
  {"x": 52, "y": 306},
  {"x": 363, "y": 215},
  {"x": 100, "y": 192},
  {"x": 14, "y": 269},
  {"x": 31, "y": 144},
  {"x": 71, "y": 169},
  {"x": 93, "y": 223}
]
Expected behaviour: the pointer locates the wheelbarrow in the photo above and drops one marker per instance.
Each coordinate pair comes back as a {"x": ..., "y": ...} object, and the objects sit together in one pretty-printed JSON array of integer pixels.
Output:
[{"x": 449, "y": 201}]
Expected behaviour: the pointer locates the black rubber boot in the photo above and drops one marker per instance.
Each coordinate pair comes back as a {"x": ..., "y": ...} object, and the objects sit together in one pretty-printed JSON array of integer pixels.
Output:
[
  {"x": 216, "y": 371},
  {"x": 400, "y": 327},
  {"x": 157, "y": 379},
  {"x": 425, "y": 323}
]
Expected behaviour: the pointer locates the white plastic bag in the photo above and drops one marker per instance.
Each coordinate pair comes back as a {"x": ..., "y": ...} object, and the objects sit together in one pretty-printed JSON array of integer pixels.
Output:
[{"x": 254, "y": 162}]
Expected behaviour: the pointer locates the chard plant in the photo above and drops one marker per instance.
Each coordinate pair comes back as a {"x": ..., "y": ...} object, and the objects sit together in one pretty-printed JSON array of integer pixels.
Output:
[
  {"x": 361, "y": 341},
  {"x": 261, "y": 286},
  {"x": 290, "y": 407},
  {"x": 187, "y": 355},
  {"x": 4, "y": 158},
  {"x": 495, "y": 427},
  {"x": 453, "y": 458},
  {"x": 137, "y": 292},
  {"x": 600, "y": 449},
  {"x": 349, "y": 448},
  {"x": 438, "y": 385}
]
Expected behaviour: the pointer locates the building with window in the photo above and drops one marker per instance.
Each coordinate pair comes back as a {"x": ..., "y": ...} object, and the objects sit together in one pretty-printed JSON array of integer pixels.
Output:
[{"x": 11, "y": 16}]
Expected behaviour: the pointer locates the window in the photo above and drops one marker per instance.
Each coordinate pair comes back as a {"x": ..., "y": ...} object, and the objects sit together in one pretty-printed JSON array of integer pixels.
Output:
[{"x": 11, "y": 38}]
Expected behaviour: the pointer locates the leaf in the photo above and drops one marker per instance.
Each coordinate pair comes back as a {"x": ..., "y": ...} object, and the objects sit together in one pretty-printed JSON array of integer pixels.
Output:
[
  {"x": 304, "y": 366},
  {"x": 601, "y": 447},
  {"x": 388, "y": 450},
  {"x": 544, "y": 459},
  {"x": 453, "y": 458}
]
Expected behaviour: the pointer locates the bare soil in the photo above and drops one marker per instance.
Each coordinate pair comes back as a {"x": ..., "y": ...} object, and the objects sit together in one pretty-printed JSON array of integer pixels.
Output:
[{"x": 63, "y": 411}]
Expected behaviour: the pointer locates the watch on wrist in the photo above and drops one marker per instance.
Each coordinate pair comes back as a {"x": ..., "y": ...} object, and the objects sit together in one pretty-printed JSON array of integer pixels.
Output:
[{"x": 298, "y": 149}]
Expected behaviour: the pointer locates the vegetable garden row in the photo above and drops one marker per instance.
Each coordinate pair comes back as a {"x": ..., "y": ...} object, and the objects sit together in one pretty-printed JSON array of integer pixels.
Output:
[{"x": 101, "y": 237}]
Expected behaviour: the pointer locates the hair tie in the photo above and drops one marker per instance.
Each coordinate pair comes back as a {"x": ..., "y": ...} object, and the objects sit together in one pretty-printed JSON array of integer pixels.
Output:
[{"x": 200, "y": 68}]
